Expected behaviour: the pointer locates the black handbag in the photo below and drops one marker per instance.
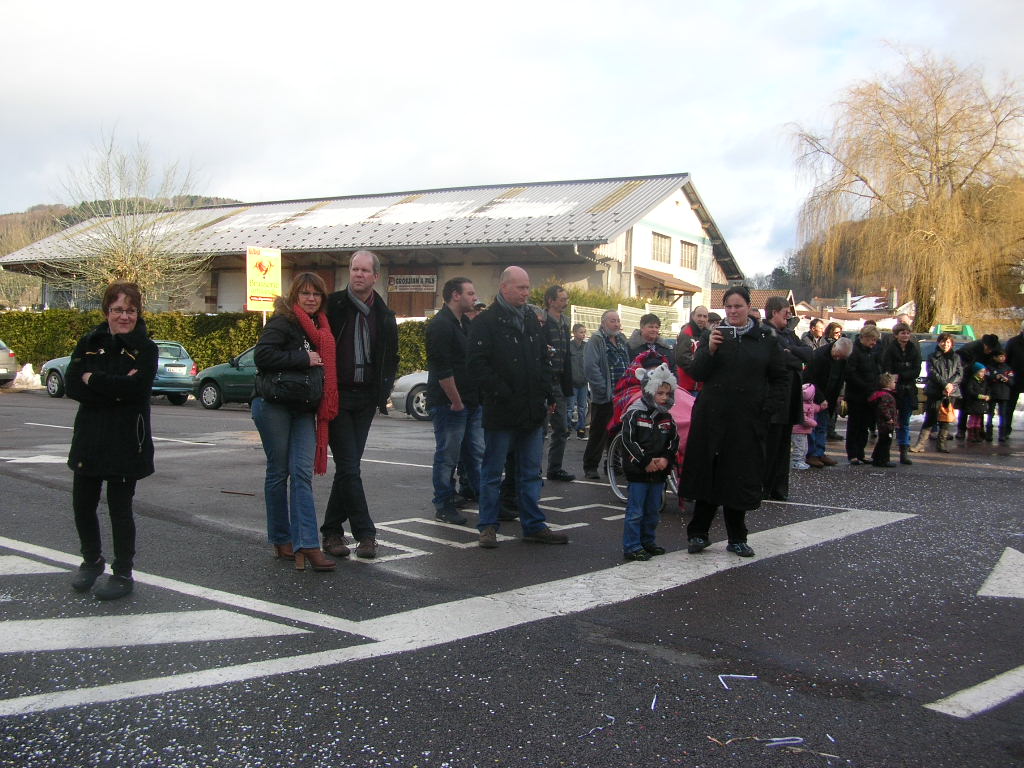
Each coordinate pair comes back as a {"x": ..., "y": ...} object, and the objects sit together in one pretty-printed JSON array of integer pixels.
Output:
[{"x": 296, "y": 389}]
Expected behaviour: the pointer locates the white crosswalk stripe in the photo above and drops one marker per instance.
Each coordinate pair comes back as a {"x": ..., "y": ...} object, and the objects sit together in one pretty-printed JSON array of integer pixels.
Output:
[{"x": 12, "y": 565}]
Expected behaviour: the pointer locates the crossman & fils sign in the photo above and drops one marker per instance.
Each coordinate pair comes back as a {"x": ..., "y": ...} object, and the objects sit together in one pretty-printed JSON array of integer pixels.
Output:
[{"x": 412, "y": 283}]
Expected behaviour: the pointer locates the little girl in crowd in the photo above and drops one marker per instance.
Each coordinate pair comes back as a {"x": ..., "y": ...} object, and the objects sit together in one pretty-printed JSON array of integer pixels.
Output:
[
  {"x": 886, "y": 416},
  {"x": 975, "y": 403},
  {"x": 805, "y": 427}
]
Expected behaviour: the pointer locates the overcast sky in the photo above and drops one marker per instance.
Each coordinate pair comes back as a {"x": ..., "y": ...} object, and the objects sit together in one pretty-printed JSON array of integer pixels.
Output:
[{"x": 271, "y": 101}]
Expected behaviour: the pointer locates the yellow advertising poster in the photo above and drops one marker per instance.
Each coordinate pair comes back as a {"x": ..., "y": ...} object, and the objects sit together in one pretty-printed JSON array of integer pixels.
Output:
[{"x": 263, "y": 278}]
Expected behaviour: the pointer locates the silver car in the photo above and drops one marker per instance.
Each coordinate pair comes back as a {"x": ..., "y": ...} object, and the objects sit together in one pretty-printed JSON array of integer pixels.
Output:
[
  {"x": 410, "y": 395},
  {"x": 9, "y": 365}
]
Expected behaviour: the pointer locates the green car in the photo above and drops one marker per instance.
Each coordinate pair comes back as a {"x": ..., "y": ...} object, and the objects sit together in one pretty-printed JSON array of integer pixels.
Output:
[{"x": 230, "y": 382}]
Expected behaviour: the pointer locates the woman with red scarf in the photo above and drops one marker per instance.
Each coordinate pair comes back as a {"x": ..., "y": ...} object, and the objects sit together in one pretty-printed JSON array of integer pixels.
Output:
[{"x": 297, "y": 338}]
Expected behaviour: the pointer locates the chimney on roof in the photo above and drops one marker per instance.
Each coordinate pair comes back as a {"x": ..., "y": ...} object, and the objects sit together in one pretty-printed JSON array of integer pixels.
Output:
[
  {"x": 893, "y": 300},
  {"x": 849, "y": 298}
]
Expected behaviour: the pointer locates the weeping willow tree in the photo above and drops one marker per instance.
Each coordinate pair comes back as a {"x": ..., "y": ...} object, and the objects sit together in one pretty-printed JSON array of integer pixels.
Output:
[
  {"x": 127, "y": 220},
  {"x": 919, "y": 181}
]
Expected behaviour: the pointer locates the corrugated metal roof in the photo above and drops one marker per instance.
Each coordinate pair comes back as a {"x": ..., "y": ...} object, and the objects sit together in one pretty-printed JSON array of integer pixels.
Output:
[{"x": 541, "y": 213}]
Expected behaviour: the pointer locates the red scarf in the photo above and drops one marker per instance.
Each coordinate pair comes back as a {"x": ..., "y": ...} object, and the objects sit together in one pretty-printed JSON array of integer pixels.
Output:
[{"x": 323, "y": 340}]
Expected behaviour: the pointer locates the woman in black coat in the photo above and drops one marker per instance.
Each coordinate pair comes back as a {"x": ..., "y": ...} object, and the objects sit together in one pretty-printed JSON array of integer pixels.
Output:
[
  {"x": 903, "y": 357},
  {"x": 945, "y": 373},
  {"x": 745, "y": 380},
  {"x": 110, "y": 375}
]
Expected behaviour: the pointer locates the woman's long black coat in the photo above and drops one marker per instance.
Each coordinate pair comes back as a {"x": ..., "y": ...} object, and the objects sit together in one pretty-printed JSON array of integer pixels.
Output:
[
  {"x": 745, "y": 382},
  {"x": 112, "y": 435}
]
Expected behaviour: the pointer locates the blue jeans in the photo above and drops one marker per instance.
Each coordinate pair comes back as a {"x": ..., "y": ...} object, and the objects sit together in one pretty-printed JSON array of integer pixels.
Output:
[
  {"x": 579, "y": 402},
  {"x": 818, "y": 439},
  {"x": 458, "y": 436},
  {"x": 289, "y": 440},
  {"x": 906, "y": 404},
  {"x": 528, "y": 445},
  {"x": 643, "y": 505}
]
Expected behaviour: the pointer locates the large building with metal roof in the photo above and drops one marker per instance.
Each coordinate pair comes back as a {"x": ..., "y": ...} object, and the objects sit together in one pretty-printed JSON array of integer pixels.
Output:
[{"x": 649, "y": 236}]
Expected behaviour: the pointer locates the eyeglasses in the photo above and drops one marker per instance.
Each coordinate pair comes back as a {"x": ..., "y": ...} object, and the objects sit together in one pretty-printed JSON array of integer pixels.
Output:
[
  {"x": 129, "y": 312},
  {"x": 317, "y": 294}
]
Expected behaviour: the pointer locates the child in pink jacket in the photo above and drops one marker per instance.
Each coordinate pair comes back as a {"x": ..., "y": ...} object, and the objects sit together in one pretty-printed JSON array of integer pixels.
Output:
[{"x": 805, "y": 427}]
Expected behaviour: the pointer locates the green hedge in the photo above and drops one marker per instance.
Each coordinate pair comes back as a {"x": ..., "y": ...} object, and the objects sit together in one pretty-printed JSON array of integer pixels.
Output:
[{"x": 40, "y": 336}]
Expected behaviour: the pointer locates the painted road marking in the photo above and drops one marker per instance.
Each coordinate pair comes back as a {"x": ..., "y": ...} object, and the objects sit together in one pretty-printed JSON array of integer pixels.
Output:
[
  {"x": 155, "y": 439},
  {"x": 31, "y": 635},
  {"x": 982, "y": 697},
  {"x": 39, "y": 459},
  {"x": 1007, "y": 578},
  {"x": 391, "y": 526},
  {"x": 462, "y": 619},
  {"x": 12, "y": 565}
]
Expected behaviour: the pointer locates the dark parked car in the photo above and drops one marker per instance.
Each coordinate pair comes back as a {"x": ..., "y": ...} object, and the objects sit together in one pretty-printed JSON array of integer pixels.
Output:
[
  {"x": 230, "y": 382},
  {"x": 8, "y": 365},
  {"x": 174, "y": 372}
]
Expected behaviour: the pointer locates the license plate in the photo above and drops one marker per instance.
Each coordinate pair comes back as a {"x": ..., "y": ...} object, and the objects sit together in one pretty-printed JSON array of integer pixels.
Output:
[
  {"x": 3, "y": 370},
  {"x": 174, "y": 368}
]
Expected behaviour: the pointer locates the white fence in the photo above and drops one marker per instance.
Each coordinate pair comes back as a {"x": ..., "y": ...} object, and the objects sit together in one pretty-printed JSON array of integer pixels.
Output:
[{"x": 630, "y": 316}]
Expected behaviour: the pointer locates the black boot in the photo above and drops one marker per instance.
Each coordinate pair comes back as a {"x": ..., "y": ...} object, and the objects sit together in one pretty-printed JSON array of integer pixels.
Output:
[
  {"x": 87, "y": 575},
  {"x": 940, "y": 444},
  {"x": 904, "y": 458},
  {"x": 114, "y": 588}
]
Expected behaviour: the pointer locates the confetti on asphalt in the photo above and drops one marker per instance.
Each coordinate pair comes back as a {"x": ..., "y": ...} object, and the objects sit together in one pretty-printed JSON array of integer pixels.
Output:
[
  {"x": 654, "y": 702},
  {"x": 721, "y": 679}
]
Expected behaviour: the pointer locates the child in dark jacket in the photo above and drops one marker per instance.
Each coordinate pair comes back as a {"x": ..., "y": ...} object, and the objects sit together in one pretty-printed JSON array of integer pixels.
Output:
[
  {"x": 886, "y": 416},
  {"x": 1000, "y": 385},
  {"x": 976, "y": 398},
  {"x": 650, "y": 443}
]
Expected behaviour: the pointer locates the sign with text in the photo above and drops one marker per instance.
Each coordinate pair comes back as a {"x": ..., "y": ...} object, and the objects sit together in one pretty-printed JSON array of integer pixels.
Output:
[
  {"x": 262, "y": 278},
  {"x": 412, "y": 283}
]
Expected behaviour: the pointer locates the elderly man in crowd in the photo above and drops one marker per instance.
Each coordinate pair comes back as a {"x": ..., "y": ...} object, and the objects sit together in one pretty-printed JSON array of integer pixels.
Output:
[
  {"x": 605, "y": 359},
  {"x": 452, "y": 399},
  {"x": 509, "y": 361},
  {"x": 367, "y": 355},
  {"x": 556, "y": 329},
  {"x": 825, "y": 372},
  {"x": 686, "y": 344}
]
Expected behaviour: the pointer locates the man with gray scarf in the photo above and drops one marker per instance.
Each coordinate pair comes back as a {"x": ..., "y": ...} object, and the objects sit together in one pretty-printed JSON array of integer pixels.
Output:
[{"x": 367, "y": 353}]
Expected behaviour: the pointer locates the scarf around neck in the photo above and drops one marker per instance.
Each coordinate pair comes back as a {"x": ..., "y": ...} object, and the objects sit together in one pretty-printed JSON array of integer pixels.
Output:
[
  {"x": 362, "y": 354},
  {"x": 518, "y": 313},
  {"x": 323, "y": 340}
]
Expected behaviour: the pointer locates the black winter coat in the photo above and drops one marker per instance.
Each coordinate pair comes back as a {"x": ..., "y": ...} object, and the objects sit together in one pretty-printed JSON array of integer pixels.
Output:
[
  {"x": 112, "y": 435},
  {"x": 447, "y": 354},
  {"x": 942, "y": 370},
  {"x": 795, "y": 354},
  {"x": 385, "y": 352},
  {"x": 1015, "y": 359},
  {"x": 1000, "y": 381},
  {"x": 974, "y": 390},
  {"x": 905, "y": 362},
  {"x": 648, "y": 434},
  {"x": 862, "y": 371},
  {"x": 826, "y": 374},
  {"x": 510, "y": 368},
  {"x": 745, "y": 381}
]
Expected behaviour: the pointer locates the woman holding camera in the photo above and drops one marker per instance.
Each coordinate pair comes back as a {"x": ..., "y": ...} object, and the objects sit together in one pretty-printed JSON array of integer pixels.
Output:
[
  {"x": 745, "y": 380},
  {"x": 292, "y": 420}
]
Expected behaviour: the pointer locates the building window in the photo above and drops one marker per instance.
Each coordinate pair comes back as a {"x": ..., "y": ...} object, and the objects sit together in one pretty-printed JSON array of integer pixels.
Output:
[
  {"x": 688, "y": 253},
  {"x": 661, "y": 248}
]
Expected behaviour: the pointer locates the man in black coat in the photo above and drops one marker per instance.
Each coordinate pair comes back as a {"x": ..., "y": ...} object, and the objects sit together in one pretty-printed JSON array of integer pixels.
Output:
[
  {"x": 556, "y": 329},
  {"x": 1015, "y": 359},
  {"x": 862, "y": 372},
  {"x": 509, "y": 361},
  {"x": 780, "y": 427},
  {"x": 452, "y": 398},
  {"x": 367, "y": 359},
  {"x": 826, "y": 371},
  {"x": 978, "y": 351}
]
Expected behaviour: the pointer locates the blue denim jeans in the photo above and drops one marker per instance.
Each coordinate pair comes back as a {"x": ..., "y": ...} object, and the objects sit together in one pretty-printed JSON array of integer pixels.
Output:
[
  {"x": 818, "y": 439},
  {"x": 906, "y": 404},
  {"x": 289, "y": 440},
  {"x": 578, "y": 405},
  {"x": 643, "y": 507},
  {"x": 458, "y": 436},
  {"x": 528, "y": 445}
]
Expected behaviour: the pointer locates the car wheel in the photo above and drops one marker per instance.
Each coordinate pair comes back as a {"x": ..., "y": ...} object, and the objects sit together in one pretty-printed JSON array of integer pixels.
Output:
[
  {"x": 54, "y": 384},
  {"x": 177, "y": 398},
  {"x": 210, "y": 396},
  {"x": 416, "y": 403}
]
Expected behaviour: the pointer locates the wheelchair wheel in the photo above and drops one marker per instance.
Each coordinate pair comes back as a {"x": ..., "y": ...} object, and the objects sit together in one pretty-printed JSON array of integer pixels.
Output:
[{"x": 616, "y": 475}]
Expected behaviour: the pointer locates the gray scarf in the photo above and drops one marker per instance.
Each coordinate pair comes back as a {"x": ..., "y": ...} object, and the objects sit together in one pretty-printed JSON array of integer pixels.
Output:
[
  {"x": 518, "y": 313},
  {"x": 362, "y": 355}
]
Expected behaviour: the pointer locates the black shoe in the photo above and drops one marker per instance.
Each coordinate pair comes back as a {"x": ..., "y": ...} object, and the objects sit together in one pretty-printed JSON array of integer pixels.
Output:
[
  {"x": 114, "y": 588},
  {"x": 834, "y": 436},
  {"x": 741, "y": 548},
  {"x": 654, "y": 549},
  {"x": 697, "y": 544},
  {"x": 591, "y": 474},
  {"x": 961, "y": 435},
  {"x": 87, "y": 575},
  {"x": 883, "y": 464},
  {"x": 639, "y": 554},
  {"x": 581, "y": 434},
  {"x": 508, "y": 511},
  {"x": 450, "y": 515},
  {"x": 561, "y": 475}
]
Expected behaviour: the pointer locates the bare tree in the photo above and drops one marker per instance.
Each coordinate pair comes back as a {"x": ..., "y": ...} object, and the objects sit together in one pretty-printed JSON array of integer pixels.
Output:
[
  {"x": 919, "y": 180},
  {"x": 133, "y": 226}
]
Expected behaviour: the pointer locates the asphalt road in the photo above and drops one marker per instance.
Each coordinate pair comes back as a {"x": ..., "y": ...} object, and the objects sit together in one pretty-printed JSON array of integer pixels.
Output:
[{"x": 858, "y": 631}]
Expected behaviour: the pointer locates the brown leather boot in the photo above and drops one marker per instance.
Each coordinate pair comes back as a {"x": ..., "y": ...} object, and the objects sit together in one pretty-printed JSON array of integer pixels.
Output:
[{"x": 316, "y": 558}]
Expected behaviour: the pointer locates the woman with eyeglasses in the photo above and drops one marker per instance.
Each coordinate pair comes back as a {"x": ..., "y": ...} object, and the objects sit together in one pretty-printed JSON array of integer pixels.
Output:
[
  {"x": 110, "y": 375},
  {"x": 297, "y": 338}
]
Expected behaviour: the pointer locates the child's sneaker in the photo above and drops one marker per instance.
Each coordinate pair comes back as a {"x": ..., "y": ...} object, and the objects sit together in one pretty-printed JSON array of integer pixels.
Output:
[
  {"x": 801, "y": 465},
  {"x": 639, "y": 554}
]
